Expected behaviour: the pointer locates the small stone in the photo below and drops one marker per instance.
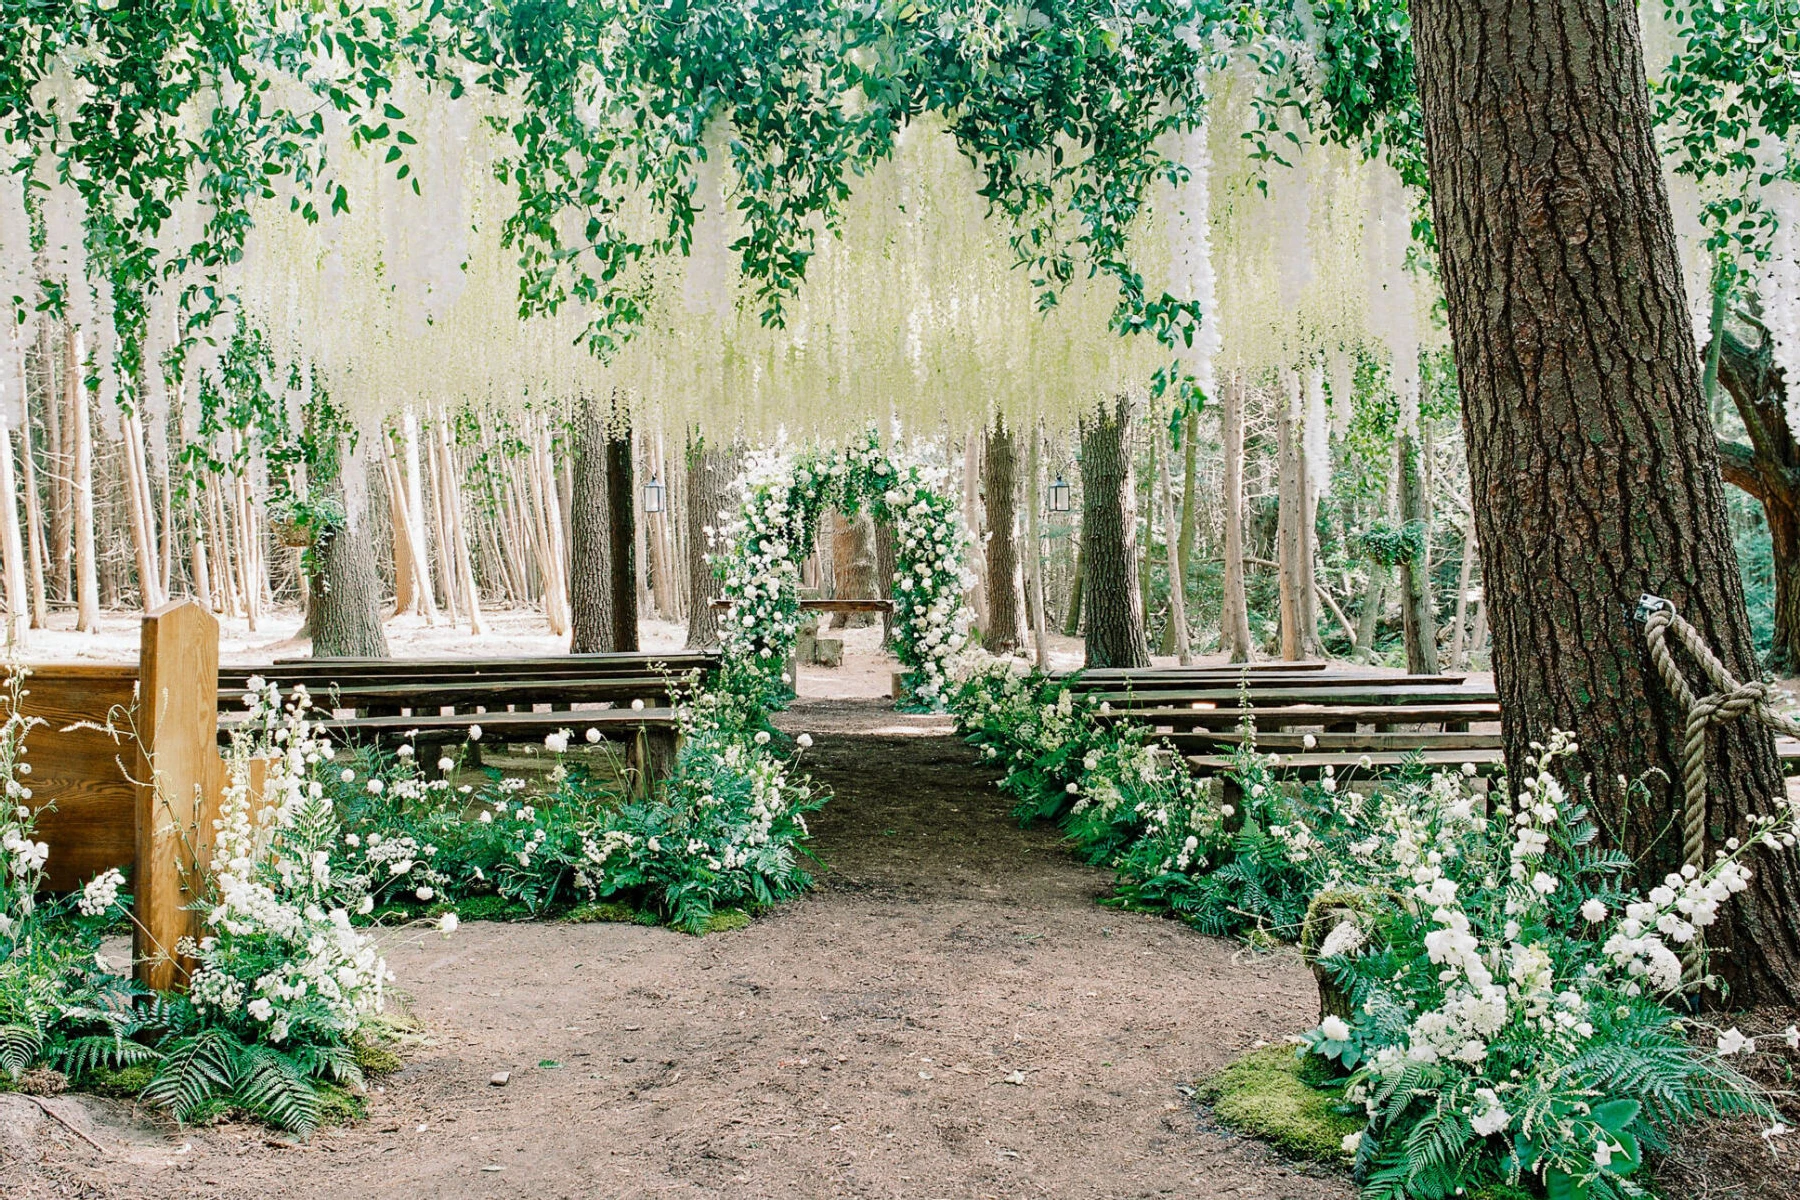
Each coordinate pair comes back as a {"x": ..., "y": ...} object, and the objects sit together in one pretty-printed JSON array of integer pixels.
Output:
[
  {"x": 1017, "y": 1078},
  {"x": 493, "y": 1167},
  {"x": 499, "y": 1079}
]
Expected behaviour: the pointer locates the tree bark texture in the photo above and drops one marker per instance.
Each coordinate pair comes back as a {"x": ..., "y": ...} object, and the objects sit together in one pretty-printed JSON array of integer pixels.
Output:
[
  {"x": 1594, "y": 472},
  {"x": 345, "y": 616},
  {"x": 853, "y": 566},
  {"x": 594, "y": 584},
  {"x": 621, "y": 520},
  {"x": 711, "y": 470},
  {"x": 1417, "y": 609},
  {"x": 1115, "y": 614},
  {"x": 999, "y": 489},
  {"x": 1234, "y": 613},
  {"x": 1769, "y": 469}
]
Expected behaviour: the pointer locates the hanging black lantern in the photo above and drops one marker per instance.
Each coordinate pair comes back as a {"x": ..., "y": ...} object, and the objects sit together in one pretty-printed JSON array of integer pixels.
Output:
[
  {"x": 1059, "y": 496},
  {"x": 655, "y": 494}
]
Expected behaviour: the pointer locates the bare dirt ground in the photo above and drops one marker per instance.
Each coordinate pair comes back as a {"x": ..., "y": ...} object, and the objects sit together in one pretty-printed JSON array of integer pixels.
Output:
[{"x": 949, "y": 1015}]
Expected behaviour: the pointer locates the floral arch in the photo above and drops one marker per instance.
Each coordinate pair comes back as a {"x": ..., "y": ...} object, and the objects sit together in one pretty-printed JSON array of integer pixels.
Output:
[{"x": 784, "y": 494}]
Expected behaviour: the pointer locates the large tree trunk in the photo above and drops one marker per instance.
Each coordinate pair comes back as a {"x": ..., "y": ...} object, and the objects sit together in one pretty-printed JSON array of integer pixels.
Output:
[
  {"x": 1592, "y": 462},
  {"x": 345, "y": 617},
  {"x": 596, "y": 591},
  {"x": 711, "y": 472},
  {"x": 999, "y": 488},
  {"x": 1115, "y": 614},
  {"x": 853, "y": 566},
  {"x": 1234, "y": 612}
]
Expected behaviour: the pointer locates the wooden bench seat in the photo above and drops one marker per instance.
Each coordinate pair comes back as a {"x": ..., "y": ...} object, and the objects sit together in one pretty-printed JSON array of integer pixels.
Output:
[
  {"x": 1311, "y": 766},
  {"x": 1334, "y": 718},
  {"x": 1350, "y": 744},
  {"x": 377, "y": 671},
  {"x": 494, "y": 694}
]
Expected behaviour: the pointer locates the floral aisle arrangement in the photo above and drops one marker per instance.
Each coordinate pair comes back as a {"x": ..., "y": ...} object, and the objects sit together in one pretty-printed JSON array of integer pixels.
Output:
[
  {"x": 726, "y": 830},
  {"x": 784, "y": 495},
  {"x": 1509, "y": 1015},
  {"x": 1501, "y": 1000}
]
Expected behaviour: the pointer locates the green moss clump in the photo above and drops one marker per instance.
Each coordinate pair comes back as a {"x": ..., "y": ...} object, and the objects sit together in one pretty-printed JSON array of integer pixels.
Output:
[
  {"x": 375, "y": 1058},
  {"x": 340, "y": 1106},
  {"x": 1266, "y": 1095},
  {"x": 607, "y": 910},
  {"x": 122, "y": 1084},
  {"x": 727, "y": 920}
]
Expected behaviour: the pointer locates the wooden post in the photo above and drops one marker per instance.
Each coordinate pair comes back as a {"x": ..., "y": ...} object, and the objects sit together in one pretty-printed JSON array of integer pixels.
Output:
[{"x": 180, "y": 778}]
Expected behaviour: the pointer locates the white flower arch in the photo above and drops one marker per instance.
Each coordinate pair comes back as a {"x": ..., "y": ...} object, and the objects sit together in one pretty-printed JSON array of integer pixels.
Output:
[{"x": 784, "y": 495}]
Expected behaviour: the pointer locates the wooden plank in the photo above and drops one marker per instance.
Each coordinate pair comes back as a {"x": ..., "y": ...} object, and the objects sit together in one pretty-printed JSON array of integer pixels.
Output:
[
  {"x": 1174, "y": 684},
  {"x": 180, "y": 779},
  {"x": 1349, "y": 766},
  {"x": 1349, "y": 743},
  {"x": 1218, "y": 716},
  {"x": 489, "y": 693},
  {"x": 85, "y": 801},
  {"x": 1233, "y": 669},
  {"x": 1285, "y": 696},
  {"x": 503, "y": 725},
  {"x": 862, "y": 605},
  {"x": 584, "y": 666}
]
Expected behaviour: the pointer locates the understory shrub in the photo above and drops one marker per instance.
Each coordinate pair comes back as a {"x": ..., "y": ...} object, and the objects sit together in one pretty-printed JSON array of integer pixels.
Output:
[
  {"x": 281, "y": 1020},
  {"x": 726, "y": 829},
  {"x": 1504, "y": 1005}
]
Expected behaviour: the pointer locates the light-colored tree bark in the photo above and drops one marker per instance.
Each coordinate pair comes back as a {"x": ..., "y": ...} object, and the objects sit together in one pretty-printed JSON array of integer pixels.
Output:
[
  {"x": 34, "y": 517},
  {"x": 1234, "y": 612},
  {"x": 87, "y": 579},
  {"x": 1034, "y": 549},
  {"x": 1184, "y": 650}
]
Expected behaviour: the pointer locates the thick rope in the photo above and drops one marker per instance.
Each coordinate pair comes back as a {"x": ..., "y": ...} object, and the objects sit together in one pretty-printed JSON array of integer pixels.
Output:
[{"x": 1730, "y": 699}]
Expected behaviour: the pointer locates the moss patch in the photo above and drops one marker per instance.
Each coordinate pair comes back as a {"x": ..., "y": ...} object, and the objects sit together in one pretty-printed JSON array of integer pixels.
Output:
[
  {"x": 340, "y": 1106},
  {"x": 610, "y": 911},
  {"x": 122, "y": 1084},
  {"x": 727, "y": 920},
  {"x": 1266, "y": 1094}
]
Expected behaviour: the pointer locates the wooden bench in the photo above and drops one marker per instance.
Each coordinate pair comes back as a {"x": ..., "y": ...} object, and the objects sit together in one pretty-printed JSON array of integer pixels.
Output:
[{"x": 434, "y": 702}]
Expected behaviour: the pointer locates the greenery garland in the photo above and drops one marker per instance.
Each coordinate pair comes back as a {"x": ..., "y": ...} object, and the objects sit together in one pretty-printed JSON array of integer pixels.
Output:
[{"x": 784, "y": 496}]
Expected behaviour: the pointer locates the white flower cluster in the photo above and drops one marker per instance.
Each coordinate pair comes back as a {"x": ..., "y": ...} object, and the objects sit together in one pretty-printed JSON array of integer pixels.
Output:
[
  {"x": 101, "y": 893},
  {"x": 273, "y": 895}
]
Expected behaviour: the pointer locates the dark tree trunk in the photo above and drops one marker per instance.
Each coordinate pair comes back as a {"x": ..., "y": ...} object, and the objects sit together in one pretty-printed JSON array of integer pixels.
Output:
[
  {"x": 1418, "y": 611},
  {"x": 1594, "y": 473},
  {"x": 999, "y": 491},
  {"x": 621, "y": 520},
  {"x": 711, "y": 472},
  {"x": 1115, "y": 614},
  {"x": 345, "y": 614},
  {"x": 602, "y": 585},
  {"x": 1769, "y": 469}
]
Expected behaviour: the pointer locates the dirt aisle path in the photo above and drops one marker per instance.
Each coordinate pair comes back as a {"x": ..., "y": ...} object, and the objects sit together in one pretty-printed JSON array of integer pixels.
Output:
[{"x": 950, "y": 1015}]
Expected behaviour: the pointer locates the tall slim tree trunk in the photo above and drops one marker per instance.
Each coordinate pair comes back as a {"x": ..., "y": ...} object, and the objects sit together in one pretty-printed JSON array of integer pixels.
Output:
[
  {"x": 972, "y": 517},
  {"x": 34, "y": 516},
  {"x": 1459, "y": 628},
  {"x": 1289, "y": 538},
  {"x": 345, "y": 617},
  {"x": 1115, "y": 615},
  {"x": 1234, "y": 613},
  {"x": 57, "y": 403},
  {"x": 1072, "y": 618},
  {"x": 1591, "y": 455},
  {"x": 12, "y": 541},
  {"x": 593, "y": 591},
  {"x": 1177, "y": 599},
  {"x": 1034, "y": 550},
  {"x": 87, "y": 578},
  {"x": 999, "y": 489},
  {"x": 1418, "y": 610},
  {"x": 621, "y": 516},
  {"x": 711, "y": 470}
]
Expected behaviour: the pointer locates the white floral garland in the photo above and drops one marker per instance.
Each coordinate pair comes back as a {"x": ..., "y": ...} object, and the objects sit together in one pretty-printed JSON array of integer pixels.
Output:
[{"x": 784, "y": 495}]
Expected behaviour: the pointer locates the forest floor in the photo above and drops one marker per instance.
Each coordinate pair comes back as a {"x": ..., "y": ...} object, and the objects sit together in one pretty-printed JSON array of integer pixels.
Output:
[{"x": 949, "y": 1014}]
